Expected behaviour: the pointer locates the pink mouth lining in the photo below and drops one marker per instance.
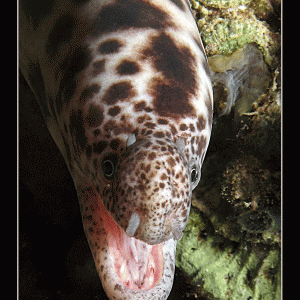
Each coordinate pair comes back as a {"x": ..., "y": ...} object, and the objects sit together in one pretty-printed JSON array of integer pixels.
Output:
[{"x": 136, "y": 264}]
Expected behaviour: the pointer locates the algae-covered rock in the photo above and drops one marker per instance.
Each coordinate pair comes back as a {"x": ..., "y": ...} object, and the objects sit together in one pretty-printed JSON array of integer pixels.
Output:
[
  {"x": 227, "y": 270},
  {"x": 238, "y": 80},
  {"x": 226, "y": 26}
]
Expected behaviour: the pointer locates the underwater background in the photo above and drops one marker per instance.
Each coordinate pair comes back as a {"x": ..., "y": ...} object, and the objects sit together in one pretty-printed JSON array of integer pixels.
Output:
[{"x": 231, "y": 247}]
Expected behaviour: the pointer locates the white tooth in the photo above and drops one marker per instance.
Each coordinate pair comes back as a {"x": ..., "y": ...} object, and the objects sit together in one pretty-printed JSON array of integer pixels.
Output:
[
  {"x": 131, "y": 139},
  {"x": 133, "y": 249},
  {"x": 123, "y": 267},
  {"x": 133, "y": 224}
]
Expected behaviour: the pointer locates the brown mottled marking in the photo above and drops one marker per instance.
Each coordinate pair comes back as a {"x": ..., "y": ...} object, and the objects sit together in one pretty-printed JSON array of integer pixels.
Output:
[
  {"x": 118, "y": 92},
  {"x": 152, "y": 156},
  {"x": 171, "y": 101},
  {"x": 128, "y": 68},
  {"x": 175, "y": 62},
  {"x": 183, "y": 127},
  {"x": 95, "y": 116},
  {"x": 135, "y": 14},
  {"x": 114, "y": 110},
  {"x": 89, "y": 92},
  {"x": 201, "y": 123},
  {"x": 110, "y": 46}
]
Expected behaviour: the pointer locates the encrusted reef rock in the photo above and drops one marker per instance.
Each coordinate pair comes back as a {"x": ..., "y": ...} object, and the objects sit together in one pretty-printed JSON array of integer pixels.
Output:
[
  {"x": 232, "y": 244},
  {"x": 238, "y": 80},
  {"x": 228, "y": 270},
  {"x": 227, "y": 25}
]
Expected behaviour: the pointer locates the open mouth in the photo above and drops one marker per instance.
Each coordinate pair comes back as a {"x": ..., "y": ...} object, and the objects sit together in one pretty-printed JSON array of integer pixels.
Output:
[{"x": 136, "y": 265}]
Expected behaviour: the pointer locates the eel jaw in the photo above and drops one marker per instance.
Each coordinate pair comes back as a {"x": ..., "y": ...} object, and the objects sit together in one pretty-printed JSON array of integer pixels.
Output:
[{"x": 129, "y": 268}]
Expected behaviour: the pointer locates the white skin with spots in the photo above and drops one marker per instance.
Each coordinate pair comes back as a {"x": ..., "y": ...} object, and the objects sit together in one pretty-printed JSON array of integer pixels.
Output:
[{"x": 125, "y": 91}]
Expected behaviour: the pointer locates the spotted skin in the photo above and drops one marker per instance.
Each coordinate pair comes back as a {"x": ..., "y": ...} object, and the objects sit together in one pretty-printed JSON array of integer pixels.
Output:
[{"x": 125, "y": 91}]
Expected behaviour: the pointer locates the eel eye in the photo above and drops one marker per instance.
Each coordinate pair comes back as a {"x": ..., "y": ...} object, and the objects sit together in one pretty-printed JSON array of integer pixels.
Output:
[
  {"x": 194, "y": 174},
  {"x": 108, "y": 168}
]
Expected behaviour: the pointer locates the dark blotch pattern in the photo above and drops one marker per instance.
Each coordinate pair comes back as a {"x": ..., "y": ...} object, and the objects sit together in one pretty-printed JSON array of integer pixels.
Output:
[
  {"x": 123, "y": 15},
  {"x": 118, "y": 92},
  {"x": 114, "y": 111},
  {"x": 99, "y": 147},
  {"x": 95, "y": 116},
  {"x": 110, "y": 46},
  {"x": 176, "y": 63},
  {"x": 171, "y": 101},
  {"x": 201, "y": 123},
  {"x": 142, "y": 105},
  {"x": 128, "y": 68},
  {"x": 89, "y": 92}
]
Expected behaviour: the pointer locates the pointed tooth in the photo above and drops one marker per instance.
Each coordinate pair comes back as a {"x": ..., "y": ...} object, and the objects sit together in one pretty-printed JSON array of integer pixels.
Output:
[
  {"x": 133, "y": 249},
  {"x": 133, "y": 224},
  {"x": 123, "y": 267},
  {"x": 131, "y": 139}
]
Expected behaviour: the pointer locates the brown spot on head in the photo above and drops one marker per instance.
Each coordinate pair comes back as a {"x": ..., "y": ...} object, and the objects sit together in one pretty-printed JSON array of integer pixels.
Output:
[
  {"x": 162, "y": 121},
  {"x": 177, "y": 63},
  {"x": 171, "y": 161},
  {"x": 95, "y": 116},
  {"x": 89, "y": 92},
  {"x": 118, "y": 287},
  {"x": 183, "y": 127},
  {"x": 171, "y": 101},
  {"x": 150, "y": 125},
  {"x": 201, "y": 123},
  {"x": 159, "y": 134},
  {"x": 152, "y": 156},
  {"x": 128, "y": 68},
  {"x": 114, "y": 110},
  {"x": 110, "y": 46},
  {"x": 129, "y": 14},
  {"x": 118, "y": 92},
  {"x": 140, "y": 106},
  {"x": 192, "y": 128},
  {"x": 163, "y": 177},
  {"x": 161, "y": 185}
]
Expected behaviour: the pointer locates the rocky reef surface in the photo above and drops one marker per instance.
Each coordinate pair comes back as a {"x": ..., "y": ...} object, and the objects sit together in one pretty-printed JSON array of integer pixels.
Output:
[{"x": 231, "y": 247}]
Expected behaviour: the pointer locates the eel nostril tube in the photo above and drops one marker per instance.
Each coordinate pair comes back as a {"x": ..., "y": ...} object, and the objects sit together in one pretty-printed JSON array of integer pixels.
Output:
[{"x": 133, "y": 224}]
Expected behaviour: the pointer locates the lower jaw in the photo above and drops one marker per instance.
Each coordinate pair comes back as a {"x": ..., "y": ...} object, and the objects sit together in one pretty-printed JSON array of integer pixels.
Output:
[{"x": 141, "y": 270}]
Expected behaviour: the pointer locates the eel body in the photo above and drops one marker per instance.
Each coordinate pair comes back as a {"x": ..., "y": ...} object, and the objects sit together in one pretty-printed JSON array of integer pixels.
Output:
[{"x": 125, "y": 91}]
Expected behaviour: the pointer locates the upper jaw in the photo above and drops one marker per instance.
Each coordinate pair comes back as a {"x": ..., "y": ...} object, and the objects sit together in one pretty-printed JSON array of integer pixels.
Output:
[{"x": 129, "y": 268}]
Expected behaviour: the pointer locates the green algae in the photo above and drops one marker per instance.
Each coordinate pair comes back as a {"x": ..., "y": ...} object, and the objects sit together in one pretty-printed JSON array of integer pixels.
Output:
[
  {"x": 226, "y": 26},
  {"x": 227, "y": 270}
]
